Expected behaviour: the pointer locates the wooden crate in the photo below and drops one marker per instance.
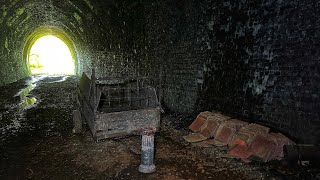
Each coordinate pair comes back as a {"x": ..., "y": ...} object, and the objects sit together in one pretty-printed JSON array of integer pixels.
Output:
[{"x": 114, "y": 107}]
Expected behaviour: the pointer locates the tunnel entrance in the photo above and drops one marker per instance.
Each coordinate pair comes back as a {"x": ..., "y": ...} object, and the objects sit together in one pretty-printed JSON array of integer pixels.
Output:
[{"x": 50, "y": 55}]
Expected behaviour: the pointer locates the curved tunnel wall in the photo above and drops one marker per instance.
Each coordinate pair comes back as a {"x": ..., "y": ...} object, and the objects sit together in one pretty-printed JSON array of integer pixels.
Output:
[
  {"x": 257, "y": 60},
  {"x": 91, "y": 25}
]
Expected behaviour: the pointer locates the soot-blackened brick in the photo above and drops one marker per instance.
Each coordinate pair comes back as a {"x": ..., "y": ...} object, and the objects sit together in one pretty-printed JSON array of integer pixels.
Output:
[{"x": 253, "y": 59}]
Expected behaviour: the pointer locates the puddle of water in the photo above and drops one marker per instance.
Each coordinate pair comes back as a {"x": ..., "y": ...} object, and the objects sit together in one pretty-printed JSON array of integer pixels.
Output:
[
  {"x": 27, "y": 103},
  {"x": 63, "y": 78},
  {"x": 26, "y": 100}
]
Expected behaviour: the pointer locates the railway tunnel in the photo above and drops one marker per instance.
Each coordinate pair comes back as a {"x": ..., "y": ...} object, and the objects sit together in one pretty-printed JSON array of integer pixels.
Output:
[
  {"x": 24, "y": 22},
  {"x": 256, "y": 61}
]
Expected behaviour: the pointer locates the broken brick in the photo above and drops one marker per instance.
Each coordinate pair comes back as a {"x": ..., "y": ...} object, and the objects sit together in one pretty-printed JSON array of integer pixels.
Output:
[
  {"x": 219, "y": 143},
  {"x": 195, "y": 137}
]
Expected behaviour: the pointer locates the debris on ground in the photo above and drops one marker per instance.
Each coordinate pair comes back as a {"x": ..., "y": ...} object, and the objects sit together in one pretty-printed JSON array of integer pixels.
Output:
[
  {"x": 244, "y": 140},
  {"x": 193, "y": 138},
  {"x": 41, "y": 145},
  {"x": 44, "y": 147}
]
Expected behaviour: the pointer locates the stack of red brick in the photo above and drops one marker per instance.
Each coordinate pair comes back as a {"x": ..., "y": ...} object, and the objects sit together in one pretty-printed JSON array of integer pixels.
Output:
[{"x": 243, "y": 139}]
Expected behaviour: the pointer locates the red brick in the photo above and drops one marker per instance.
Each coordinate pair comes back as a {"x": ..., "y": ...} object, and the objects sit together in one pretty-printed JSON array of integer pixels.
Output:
[
  {"x": 219, "y": 117},
  {"x": 257, "y": 128},
  {"x": 243, "y": 136},
  {"x": 263, "y": 146},
  {"x": 227, "y": 130},
  {"x": 247, "y": 134},
  {"x": 280, "y": 140},
  {"x": 206, "y": 114},
  {"x": 209, "y": 128},
  {"x": 200, "y": 121},
  {"x": 197, "y": 124},
  {"x": 241, "y": 151},
  {"x": 213, "y": 123},
  {"x": 224, "y": 134},
  {"x": 237, "y": 123}
]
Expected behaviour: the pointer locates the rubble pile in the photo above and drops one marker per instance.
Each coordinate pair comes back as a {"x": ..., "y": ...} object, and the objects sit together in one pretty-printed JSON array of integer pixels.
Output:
[{"x": 244, "y": 140}]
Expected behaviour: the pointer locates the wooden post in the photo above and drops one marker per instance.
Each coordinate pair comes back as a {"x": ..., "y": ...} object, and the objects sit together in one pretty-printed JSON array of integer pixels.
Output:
[{"x": 77, "y": 122}]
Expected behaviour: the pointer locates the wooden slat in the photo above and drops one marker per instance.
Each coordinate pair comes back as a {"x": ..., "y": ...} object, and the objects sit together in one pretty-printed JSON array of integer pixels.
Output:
[{"x": 127, "y": 122}]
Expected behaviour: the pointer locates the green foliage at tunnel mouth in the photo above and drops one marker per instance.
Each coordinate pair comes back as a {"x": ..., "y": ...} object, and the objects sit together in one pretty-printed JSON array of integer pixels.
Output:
[
  {"x": 50, "y": 55},
  {"x": 32, "y": 60}
]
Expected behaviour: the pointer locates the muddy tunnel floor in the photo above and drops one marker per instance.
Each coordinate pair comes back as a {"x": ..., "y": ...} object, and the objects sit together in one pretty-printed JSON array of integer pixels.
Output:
[{"x": 36, "y": 142}]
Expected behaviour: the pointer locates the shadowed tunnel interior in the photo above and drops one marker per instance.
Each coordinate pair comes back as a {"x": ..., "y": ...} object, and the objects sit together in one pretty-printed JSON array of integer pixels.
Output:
[{"x": 254, "y": 60}]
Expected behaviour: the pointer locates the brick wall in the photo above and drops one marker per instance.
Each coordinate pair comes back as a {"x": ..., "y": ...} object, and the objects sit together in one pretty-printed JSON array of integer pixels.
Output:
[
  {"x": 253, "y": 59},
  {"x": 171, "y": 52}
]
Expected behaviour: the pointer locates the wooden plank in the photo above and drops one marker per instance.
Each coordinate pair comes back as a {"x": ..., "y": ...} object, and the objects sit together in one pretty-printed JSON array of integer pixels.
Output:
[
  {"x": 88, "y": 113},
  {"x": 84, "y": 86},
  {"x": 126, "y": 122}
]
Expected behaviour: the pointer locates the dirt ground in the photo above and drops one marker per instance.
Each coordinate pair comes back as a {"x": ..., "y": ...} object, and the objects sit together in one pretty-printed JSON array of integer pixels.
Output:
[{"x": 36, "y": 142}]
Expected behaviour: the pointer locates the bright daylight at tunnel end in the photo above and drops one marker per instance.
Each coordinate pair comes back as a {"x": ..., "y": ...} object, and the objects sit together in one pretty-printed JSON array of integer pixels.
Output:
[{"x": 51, "y": 56}]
